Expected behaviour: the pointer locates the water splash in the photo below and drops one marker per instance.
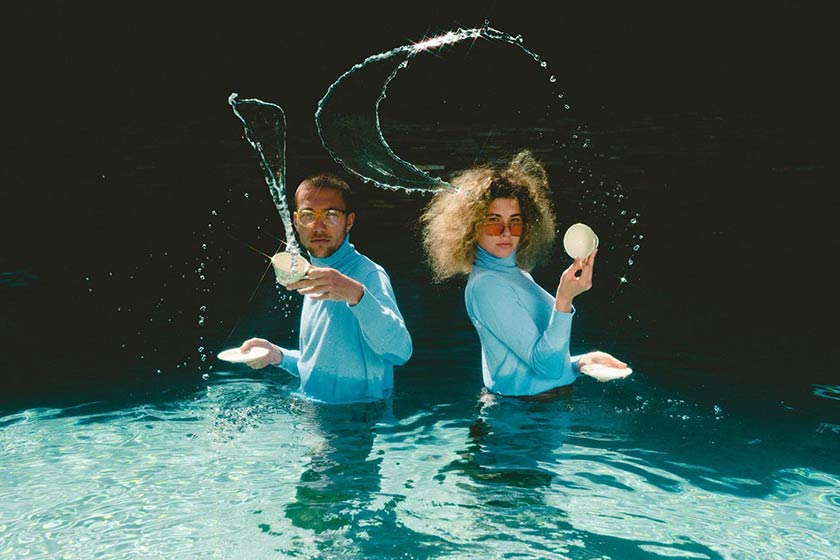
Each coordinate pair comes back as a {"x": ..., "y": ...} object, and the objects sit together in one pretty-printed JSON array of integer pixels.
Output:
[
  {"x": 265, "y": 130},
  {"x": 350, "y": 129}
]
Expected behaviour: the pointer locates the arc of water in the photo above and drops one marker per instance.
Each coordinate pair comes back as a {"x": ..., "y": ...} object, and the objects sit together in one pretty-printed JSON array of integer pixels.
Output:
[
  {"x": 265, "y": 130},
  {"x": 350, "y": 128}
]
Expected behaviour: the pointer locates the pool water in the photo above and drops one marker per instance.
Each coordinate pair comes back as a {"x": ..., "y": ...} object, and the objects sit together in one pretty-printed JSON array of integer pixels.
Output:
[
  {"x": 122, "y": 437},
  {"x": 240, "y": 466}
]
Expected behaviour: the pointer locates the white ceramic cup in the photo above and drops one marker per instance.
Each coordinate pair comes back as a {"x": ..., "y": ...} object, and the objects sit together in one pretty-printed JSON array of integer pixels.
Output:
[
  {"x": 289, "y": 267},
  {"x": 580, "y": 241}
]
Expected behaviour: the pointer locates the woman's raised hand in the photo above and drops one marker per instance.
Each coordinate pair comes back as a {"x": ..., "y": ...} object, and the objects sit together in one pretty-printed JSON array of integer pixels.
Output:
[{"x": 573, "y": 284}]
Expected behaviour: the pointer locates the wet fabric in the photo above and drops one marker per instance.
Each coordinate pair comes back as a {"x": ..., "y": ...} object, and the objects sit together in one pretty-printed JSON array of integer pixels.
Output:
[
  {"x": 524, "y": 340},
  {"x": 348, "y": 353}
]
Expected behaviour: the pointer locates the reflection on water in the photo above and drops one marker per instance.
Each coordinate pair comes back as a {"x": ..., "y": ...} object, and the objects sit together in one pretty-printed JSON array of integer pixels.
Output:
[
  {"x": 340, "y": 479},
  {"x": 676, "y": 461},
  {"x": 243, "y": 467},
  {"x": 510, "y": 440}
]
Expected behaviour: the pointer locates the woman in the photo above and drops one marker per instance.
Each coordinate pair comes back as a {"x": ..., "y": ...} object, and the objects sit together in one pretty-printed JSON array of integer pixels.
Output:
[{"x": 495, "y": 228}]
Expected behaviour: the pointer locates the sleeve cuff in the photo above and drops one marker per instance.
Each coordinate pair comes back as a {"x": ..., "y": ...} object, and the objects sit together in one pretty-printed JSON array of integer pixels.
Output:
[
  {"x": 367, "y": 306},
  {"x": 290, "y": 361}
]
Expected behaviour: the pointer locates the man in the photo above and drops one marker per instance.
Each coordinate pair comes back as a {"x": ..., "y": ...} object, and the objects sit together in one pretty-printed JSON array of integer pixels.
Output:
[{"x": 351, "y": 332}]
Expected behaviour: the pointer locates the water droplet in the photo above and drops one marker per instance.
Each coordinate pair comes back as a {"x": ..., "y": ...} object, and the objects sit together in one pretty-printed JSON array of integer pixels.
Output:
[
  {"x": 566, "y": 106},
  {"x": 630, "y": 262},
  {"x": 633, "y": 221},
  {"x": 204, "y": 246},
  {"x": 203, "y": 308},
  {"x": 552, "y": 79},
  {"x": 206, "y": 376},
  {"x": 635, "y": 247},
  {"x": 543, "y": 64},
  {"x": 247, "y": 195}
]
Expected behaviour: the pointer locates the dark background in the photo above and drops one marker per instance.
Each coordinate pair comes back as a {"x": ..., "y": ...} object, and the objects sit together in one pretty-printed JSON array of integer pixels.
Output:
[{"x": 716, "y": 124}]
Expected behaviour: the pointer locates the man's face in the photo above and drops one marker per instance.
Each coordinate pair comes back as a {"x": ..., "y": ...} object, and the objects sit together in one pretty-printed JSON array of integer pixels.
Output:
[{"x": 320, "y": 237}]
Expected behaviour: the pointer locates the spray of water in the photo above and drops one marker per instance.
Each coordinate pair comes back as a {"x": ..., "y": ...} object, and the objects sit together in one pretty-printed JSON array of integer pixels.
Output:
[
  {"x": 348, "y": 123},
  {"x": 265, "y": 130},
  {"x": 349, "y": 126}
]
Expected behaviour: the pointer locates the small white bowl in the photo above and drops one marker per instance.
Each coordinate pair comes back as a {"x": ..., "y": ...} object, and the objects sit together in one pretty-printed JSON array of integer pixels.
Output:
[{"x": 580, "y": 241}]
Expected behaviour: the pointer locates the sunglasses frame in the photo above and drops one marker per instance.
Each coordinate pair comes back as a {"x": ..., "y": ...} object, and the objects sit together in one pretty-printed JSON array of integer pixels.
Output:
[
  {"x": 319, "y": 214},
  {"x": 495, "y": 225}
]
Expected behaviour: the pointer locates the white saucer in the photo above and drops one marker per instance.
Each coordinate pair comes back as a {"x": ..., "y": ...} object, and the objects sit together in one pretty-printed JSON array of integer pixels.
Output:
[
  {"x": 605, "y": 373},
  {"x": 234, "y": 355}
]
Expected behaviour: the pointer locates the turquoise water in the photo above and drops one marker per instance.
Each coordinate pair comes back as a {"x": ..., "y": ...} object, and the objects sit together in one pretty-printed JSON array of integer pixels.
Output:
[
  {"x": 240, "y": 467},
  {"x": 122, "y": 437},
  {"x": 722, "y": 444}
]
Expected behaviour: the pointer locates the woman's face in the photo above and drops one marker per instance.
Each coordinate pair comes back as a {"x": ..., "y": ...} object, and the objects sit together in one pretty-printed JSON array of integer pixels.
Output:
[{"x": 496, "y": 237}]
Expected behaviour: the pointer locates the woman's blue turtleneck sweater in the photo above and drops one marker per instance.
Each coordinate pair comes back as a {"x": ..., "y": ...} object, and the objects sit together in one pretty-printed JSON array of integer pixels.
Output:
[
  {"x": 348, "y": 353},
  {"x": 524, "y": 340}
]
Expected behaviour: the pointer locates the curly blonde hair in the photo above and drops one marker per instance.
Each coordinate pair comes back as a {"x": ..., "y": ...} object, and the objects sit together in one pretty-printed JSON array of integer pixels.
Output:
[{"x": 452, "y": 220}]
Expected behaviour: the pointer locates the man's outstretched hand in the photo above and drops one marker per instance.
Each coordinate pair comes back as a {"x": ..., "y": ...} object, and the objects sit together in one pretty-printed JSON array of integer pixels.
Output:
[{"x": 274, "y": 356}]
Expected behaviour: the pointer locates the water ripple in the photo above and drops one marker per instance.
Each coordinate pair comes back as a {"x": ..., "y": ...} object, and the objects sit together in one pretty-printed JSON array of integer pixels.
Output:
[{"x": 242, "y": 471}]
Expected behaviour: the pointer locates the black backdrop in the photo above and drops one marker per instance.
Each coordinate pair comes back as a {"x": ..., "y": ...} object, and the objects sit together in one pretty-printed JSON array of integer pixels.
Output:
[{"x": 118, "y": 142}]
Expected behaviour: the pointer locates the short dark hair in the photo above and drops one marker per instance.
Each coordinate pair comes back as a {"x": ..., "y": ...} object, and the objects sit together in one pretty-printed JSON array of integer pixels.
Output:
[{"x": 329, "y": 181}]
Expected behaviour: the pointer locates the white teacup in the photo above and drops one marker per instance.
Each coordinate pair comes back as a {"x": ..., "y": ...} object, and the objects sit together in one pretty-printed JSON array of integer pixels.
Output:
[
  {"x": 289, "y": 267},
  {"x": 580, "y": 241}
]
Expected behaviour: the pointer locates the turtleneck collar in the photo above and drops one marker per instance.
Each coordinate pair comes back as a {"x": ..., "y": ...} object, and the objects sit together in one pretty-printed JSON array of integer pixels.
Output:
[
  {"x": 483, "y": 259},
  {"x": 341, "y": 254}
]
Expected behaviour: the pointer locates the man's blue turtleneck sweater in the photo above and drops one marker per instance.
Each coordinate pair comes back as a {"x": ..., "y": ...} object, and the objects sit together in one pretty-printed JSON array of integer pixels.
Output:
[
  {"x": 524, "y": 340},
  {"x": 348, "y": 353}
]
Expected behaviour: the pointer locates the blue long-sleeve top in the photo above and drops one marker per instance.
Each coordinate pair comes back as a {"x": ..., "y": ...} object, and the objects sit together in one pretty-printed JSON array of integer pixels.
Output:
[
  {"x": 348, "y": 353},
  {"x": 524, "y": 340}
]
